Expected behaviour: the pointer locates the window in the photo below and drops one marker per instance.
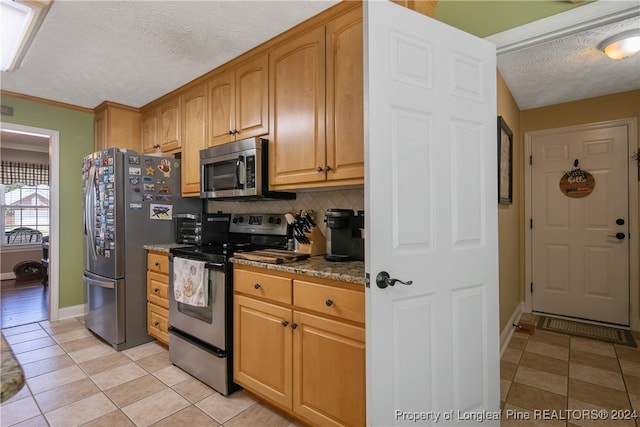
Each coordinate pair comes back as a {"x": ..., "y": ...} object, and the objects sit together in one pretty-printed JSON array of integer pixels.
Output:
[{"x": 25, "y": 213}]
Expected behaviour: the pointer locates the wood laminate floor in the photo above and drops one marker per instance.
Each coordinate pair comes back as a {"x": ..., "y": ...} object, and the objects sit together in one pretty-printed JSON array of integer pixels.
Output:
[{"x": 23, "y": 302}]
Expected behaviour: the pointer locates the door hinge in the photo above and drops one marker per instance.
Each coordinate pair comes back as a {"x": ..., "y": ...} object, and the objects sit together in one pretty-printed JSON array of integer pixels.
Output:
[
  {"x": 366, "y": 280},
  {"x": 531, "y": 287},
  {"x": 531, "y": 223},
  {"x": 531, "y": 160}
]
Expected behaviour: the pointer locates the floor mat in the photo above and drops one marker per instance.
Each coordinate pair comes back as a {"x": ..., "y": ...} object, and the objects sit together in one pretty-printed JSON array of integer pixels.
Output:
[{"x": 587, "y": 330}]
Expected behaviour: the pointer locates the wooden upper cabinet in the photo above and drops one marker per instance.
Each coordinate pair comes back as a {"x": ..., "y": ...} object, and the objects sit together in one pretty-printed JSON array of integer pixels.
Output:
[
  {"x": 345, "y": 99},
  {"x": 317, "y": 107},
  {"x": 150, "y": 132},
  {"x": 239, "y": 102},
  {"x": 194, "y": 137},
  {"x": 222, "y": 108},
  {"x": 169, "y": 124},
  {"x": 297, "y": 105},
  {"x": 117, "y": 126}
]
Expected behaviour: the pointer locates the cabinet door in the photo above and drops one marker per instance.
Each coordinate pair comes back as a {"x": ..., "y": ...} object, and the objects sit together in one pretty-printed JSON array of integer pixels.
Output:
[
  {"x": 345, "y": 103},
  {"x": 262, "y": 349},
  {"x": 252, "y": 98},
  {"x": 297, "y": 108},
  {"x": 328, "y": 371},
  {"x": 150, "y": 132},
  {"x": 169, "y": 125},
  {"x": 222, "y": 108},
  {"x": 194, "y": 139}
]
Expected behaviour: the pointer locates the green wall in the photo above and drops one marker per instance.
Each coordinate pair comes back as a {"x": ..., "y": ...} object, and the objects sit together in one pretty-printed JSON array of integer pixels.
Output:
[
  {"x": 76, "y": 140},
  {"x": 483, "y": 18}
]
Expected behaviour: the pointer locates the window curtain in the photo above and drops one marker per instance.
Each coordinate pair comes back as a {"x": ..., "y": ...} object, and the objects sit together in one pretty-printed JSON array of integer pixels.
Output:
[{"x": 24, "y": 173}]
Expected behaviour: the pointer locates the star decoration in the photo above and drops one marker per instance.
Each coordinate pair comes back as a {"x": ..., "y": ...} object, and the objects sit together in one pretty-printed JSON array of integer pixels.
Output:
[{"x": 150, "y": 170}]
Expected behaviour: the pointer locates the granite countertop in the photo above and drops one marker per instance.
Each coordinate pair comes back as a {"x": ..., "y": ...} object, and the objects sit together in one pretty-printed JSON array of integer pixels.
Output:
[
  {"x": 316, "y": 266},
  {"x": 11, "y": 374},
  {"x": 164, "y": 247}
]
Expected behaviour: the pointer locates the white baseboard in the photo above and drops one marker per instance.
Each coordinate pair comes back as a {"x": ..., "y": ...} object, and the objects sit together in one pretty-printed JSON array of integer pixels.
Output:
[
  {"x": 7, "y": 276},
  {"x": 507, "y": 332},
  {"x": 71, "y": 312}
]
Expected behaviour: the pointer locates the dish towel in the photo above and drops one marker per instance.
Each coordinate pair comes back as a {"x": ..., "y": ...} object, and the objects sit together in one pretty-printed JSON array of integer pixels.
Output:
[{"x": 190, "y": 282}]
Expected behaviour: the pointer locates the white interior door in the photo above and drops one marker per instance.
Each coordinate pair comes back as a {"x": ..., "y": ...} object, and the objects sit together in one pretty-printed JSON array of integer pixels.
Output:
[
  {"x": 431, "y": 212},
  {"x": 580, "y": 246}
]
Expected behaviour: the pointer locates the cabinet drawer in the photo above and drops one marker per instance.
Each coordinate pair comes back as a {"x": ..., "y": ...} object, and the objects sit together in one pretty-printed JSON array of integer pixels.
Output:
[
  {"x": 263, "y": 285},
  {"x": 158, "y": 323},
  {"x": 158, "y": 289},
  {"x": 344, "y": 303},
  {"x": 158, "y": 262}
]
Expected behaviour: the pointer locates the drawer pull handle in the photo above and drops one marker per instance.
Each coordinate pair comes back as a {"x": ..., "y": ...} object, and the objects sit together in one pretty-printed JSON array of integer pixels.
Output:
[
  {"x": 328, "y": 302},
  {"x": 257, "y": 286},
  {"x": 285, "y": 323},
  {"x": 294, "y": 325}
]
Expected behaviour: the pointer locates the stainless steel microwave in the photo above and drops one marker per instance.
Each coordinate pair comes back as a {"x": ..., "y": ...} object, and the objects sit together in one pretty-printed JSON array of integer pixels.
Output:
[{"x": 237, "y": 170}]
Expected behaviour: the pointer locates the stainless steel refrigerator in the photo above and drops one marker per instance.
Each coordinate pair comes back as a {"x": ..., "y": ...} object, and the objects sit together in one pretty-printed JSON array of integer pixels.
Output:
[{"x": 129, "y": 201}]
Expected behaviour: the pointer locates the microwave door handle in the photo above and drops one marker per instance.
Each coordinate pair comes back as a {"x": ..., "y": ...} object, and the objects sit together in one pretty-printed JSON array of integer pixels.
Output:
[{"x": 240, "y": 172}]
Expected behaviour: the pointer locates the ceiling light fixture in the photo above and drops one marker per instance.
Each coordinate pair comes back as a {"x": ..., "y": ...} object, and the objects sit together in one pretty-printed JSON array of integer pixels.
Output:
[
  {"x": 621, "y": 45},
  {"x": 20, "y": 23}
]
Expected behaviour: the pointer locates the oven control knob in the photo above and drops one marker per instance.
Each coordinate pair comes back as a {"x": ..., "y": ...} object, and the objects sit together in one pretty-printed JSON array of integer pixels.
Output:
[
  {"x": 240, "y": 219},
  {"x": 278, "y": 221},
  {"x": 271, "y": 220}
]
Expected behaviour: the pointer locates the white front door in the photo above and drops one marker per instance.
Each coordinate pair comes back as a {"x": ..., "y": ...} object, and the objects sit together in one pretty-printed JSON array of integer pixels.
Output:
[
  {"x": 431, "y": 218},
  {"x": 580, "y": 246}
]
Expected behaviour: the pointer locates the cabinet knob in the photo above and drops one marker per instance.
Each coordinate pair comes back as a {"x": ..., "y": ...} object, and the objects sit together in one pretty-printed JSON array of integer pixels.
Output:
[
  {"x": 235, "y": 131},
  {"x": 294, "y": 325},
  {"x": 257, "y": 286},
  {"x": 320, "y": 169},
  {"x": 328, "y": 302},
  {"x": 156, "y": 290},
  {"x": 230, "y": 132},
  {"x": 157, "y": 264},
  {"x": 327, "y": 168},
  {"x": 285, "y": 323},
  {"x": 157, "y": 324}
]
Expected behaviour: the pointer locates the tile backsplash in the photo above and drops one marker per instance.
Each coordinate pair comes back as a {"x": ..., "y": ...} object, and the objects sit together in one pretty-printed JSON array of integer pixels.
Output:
[{"x": 319, "y": 201}]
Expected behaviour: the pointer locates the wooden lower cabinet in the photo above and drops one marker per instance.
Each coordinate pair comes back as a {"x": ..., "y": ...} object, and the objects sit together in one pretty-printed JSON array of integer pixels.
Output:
[
  {"x": 158, "y": 296},
  {"x": 328, "y": 371},
  {"x": 309, "y": 363}
]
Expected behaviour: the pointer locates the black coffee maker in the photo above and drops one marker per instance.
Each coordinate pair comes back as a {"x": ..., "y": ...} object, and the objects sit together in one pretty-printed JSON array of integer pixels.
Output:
[{"x": 346, "y": 235}]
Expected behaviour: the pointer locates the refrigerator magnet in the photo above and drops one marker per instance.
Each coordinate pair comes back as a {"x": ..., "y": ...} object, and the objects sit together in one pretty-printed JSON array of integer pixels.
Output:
[
  {"x": 148, "y": 197},
  {"x": 150, "y": 170},
  {"x": 135, "y": 171},
  {"x": 149, "y": 187},
  {"x": 135, "y": 206},
  {"x": 165, "y": 168},
  {"x": 162, "y": 212},
  {"x": 134, "y": 160},
  {"x": 134, "y": 180}
]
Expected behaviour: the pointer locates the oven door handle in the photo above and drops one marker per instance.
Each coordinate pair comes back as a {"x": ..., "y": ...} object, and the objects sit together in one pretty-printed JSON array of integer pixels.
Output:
[{"x": 214, "y": 265}]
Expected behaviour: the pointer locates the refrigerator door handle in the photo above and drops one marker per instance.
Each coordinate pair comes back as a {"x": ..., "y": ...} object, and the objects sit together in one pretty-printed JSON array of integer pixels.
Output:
[
  {"x": 101, "y": 283},
  {"x": 89, "y": 212}
]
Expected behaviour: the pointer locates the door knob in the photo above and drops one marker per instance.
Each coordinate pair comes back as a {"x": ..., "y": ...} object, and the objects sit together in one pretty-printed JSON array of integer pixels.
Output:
[
  {"x": 383, "y": 280},
  {"x": 619, "y": 236}
]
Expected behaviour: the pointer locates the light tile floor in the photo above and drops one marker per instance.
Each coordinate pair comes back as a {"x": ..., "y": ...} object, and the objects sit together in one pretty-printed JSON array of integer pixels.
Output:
[
  {"x": 567, "y": 376},
  {"x": 75, "y": 379}
]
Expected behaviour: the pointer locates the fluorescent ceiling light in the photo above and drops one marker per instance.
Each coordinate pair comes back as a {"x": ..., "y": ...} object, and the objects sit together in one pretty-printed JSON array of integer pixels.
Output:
[
  {"x": 622, "y": 45},
  {"x": 20, "y": 22}
]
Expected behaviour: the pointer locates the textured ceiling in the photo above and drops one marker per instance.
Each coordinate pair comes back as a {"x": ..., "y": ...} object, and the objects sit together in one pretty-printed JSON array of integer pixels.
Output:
[
  {"x": 569, "y": 68},
  {"x": 133, "y": 52}
]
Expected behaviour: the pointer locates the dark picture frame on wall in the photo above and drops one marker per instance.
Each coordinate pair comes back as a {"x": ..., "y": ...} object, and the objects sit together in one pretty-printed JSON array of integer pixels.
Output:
[{"x": 505, "y": 163}]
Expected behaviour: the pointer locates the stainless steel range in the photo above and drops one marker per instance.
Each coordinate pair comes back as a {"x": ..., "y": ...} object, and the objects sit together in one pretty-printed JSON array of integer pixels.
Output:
[{"x": 201, "y": 330}]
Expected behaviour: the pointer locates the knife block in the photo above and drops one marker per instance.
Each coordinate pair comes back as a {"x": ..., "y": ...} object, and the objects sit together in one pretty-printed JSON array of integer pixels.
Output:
[{"x": 318, "y": 245}]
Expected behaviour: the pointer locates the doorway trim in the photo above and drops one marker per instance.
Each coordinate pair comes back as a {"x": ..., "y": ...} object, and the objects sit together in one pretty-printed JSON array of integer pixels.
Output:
[
  {"x": 634, "y": 248},
  {"x": 54, "y": 210}
]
